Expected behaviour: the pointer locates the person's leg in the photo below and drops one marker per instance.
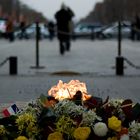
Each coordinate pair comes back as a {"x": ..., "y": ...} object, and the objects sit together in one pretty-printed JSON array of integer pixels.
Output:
[
  {"x": 68, "y": 45},
  {"x": 132, "y": 35},
  {"x": 51, "y": 35},
  {"x": 138, "y": 35},
  {"x": 21, "y": 35},
  {"x": 62, "y": 47},
  {"x": 11, "y": 37}
]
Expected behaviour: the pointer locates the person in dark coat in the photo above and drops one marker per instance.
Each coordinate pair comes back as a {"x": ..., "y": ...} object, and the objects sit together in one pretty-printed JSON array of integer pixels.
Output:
[
  {"x": 138, "y": 27},
  {"x": 23, "y": 30},
  {"x": 135, "y": 28},
  {"x": 63, "y": 18},
  {"x": 51, "y": 29},
  {"x": 10, "y": 29}
]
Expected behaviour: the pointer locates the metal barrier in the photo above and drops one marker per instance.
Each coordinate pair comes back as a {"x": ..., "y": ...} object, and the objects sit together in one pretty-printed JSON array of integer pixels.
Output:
[
  {"x": 119, "y": 65},
  {"x": 120, "y": 59},
  {"x": 13, "y": 65},
  {"x": 13, "y": 70},
  {"x": 37, "y": 66},
  {"x": 131, "y": 63},
  {"x": 3, "y": 62}
]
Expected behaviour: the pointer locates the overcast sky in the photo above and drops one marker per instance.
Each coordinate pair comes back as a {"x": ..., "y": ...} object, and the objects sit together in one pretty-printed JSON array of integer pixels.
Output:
[{"x": 81, "y": 8}]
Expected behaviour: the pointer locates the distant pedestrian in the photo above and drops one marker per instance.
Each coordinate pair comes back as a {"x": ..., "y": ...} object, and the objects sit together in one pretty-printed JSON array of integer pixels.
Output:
[
  {"x": 23, "y": 34},
  {"x": 133, "y": 31},
  {"x": 51, "y": 28},
  {"x": 63, "y": 18},
  {"x": 10, "y": 29},
  {"x": 135, "y": 28},
  {"x": 138, "y": 27}
]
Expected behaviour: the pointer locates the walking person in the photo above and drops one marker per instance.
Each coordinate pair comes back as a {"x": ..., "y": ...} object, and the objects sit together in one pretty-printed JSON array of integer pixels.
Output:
[
  {"x": 10, "y": 29},
  {"x": 135, "y": 28},
  {"x": 138, "y": 27},
  {"x": 23, "y": 33},
  {"x": 51, "y": 28},
  {"x": 63, "y": 21},
  {"x": 133, "y": 31}
]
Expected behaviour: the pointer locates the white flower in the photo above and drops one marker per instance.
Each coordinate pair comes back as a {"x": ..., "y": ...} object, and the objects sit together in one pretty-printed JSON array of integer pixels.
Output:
[
  {"x": 134, "y": 130},
  {"x": 66, "y": 107},
  {"x": 100, "y": 129},
  {"x": 89, "y": 118},
  {"x": 125, "y": 137},
  {"x": 115, "y": 102}
]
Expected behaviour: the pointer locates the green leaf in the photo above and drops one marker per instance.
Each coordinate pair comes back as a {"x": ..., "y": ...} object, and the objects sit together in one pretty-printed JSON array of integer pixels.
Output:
[
  {"x": 46, "y": 115},
  {"x": 136, "y": 111},
  {"x": 8, "y": 120},
  {"x": 43, "y": 99}
]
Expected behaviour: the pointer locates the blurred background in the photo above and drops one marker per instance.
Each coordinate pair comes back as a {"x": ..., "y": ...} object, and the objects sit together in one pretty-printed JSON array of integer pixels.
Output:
[{"x": 93, "y": 19}]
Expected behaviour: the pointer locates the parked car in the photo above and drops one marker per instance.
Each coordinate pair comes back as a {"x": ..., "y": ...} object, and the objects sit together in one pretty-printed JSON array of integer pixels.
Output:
[
  {"x": 31, "y": 31},
  {"x": 99, "y": 32},
  {"x": 111, "y": 31},
  {"x": 2, "y": 27},
  {"x": 86, "y": 30}
]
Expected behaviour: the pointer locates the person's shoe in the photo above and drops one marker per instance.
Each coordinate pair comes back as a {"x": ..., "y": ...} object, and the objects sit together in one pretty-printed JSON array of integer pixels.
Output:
[
  {"x": 67, "y": 49},
  {"x": 62, "y": 52}
]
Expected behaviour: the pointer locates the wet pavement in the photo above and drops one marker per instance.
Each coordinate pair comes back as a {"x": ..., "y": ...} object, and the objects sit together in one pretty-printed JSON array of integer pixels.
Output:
[{"x": 92, "y": 62}]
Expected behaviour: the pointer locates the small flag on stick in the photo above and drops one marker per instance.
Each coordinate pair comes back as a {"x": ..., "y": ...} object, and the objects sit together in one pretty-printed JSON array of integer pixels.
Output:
[{"x": 12, "y": 110}]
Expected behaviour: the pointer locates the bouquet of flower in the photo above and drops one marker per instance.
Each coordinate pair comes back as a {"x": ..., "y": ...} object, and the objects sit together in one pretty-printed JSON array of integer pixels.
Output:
[{"x": 69, "y": 113}]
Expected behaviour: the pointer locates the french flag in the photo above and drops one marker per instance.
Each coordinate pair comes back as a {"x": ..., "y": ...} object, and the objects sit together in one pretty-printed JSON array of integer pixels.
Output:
[{"x": 12, "y": 110}]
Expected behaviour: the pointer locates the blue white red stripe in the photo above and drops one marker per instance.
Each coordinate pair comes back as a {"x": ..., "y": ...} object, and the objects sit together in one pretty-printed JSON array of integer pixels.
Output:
[{"x": 12, "y": 110}]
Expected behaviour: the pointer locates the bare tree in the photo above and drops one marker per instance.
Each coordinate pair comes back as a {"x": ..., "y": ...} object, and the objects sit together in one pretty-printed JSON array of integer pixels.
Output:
[
  {"x": 15, "y": 8},
  {"x": 114, "y": 10}
]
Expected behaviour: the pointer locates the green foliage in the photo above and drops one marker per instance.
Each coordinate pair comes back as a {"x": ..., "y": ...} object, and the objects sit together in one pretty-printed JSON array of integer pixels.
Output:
[{"x": 65, "y": 125}]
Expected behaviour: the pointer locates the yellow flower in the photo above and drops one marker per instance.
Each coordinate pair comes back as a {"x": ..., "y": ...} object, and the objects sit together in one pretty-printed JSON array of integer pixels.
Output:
[
  {"x": 21, "y": 138},
  {"x": 114, "y": 124},
  {"x": 2, "y": 130},
  {"x": 26, "y": 118},
  {"x": 27, "y": 122},
  {"x": 113, "y": 138},
  {"x": 82, "y": 133},
  {"x": 55, "y": 136}
]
